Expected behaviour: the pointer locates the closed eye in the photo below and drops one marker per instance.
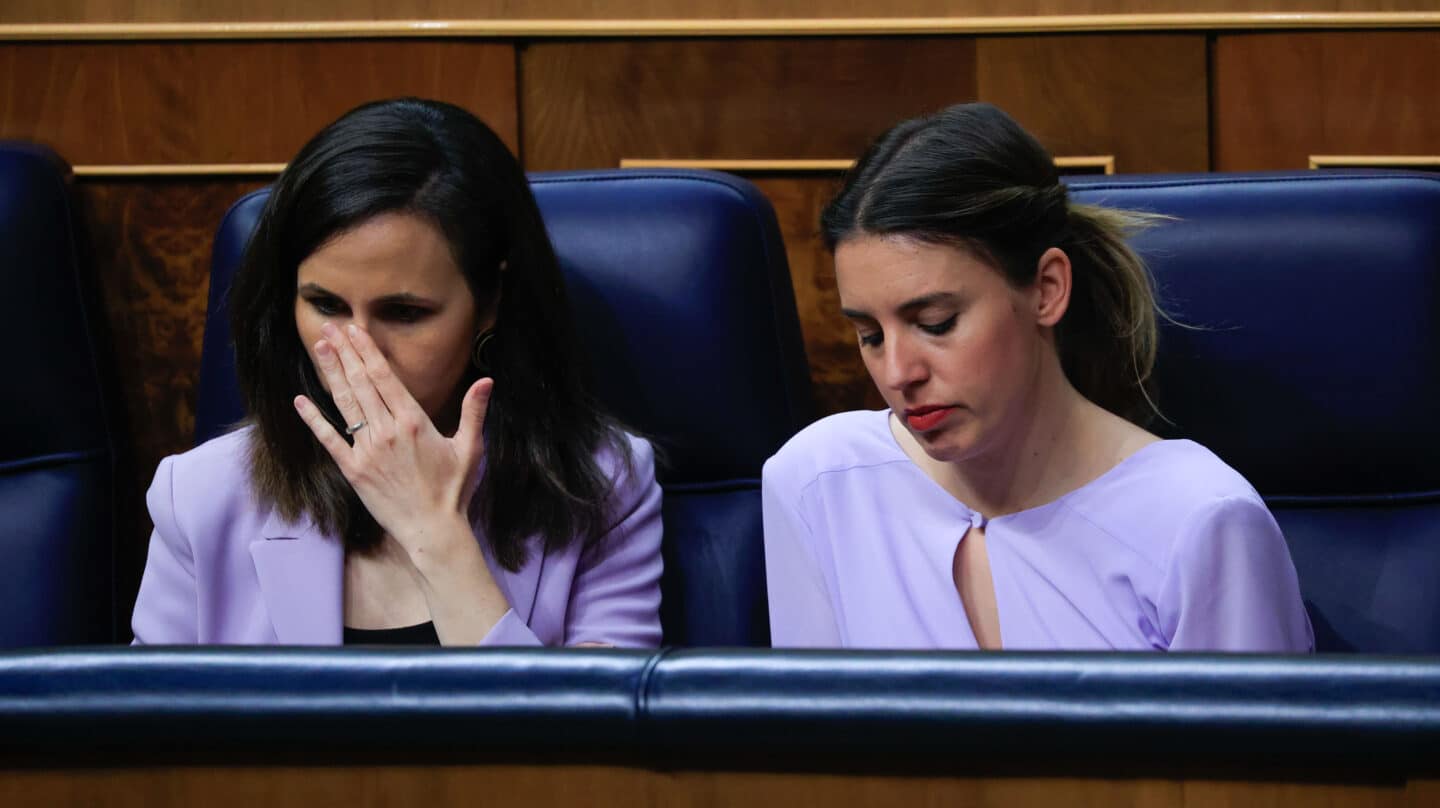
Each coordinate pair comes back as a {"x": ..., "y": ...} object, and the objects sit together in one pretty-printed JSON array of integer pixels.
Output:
[
  {"x": 327, "y": 305},
  {"x": 872, "y": 339},
  {"x": 942, "y": 327}
]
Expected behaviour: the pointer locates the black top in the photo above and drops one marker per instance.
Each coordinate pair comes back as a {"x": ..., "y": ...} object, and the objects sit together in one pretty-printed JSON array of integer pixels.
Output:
[{"x": 423, "y": 634}]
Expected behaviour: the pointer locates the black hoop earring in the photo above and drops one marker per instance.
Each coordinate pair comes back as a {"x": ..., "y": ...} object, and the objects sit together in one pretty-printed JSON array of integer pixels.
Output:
[{"x": 481, "y": 350}]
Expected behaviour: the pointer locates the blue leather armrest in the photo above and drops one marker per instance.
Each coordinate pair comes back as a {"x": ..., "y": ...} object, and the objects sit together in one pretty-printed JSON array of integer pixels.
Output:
[
  {"x": 439, "y": 702},
  {"x": 940, "y": 712},
  {"x": 1127, "y": 713}
]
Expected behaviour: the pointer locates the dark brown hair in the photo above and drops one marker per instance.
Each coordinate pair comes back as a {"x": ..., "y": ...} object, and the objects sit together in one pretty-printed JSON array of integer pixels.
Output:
[
  {"x": 542, "y": 429},
  {"x": 971, "y": 177}
]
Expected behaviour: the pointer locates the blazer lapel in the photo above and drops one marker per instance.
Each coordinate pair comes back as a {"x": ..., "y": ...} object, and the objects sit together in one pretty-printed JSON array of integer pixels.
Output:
[
  {"x": 301, "y": 578},
  {"x": 518, "y": 587}
]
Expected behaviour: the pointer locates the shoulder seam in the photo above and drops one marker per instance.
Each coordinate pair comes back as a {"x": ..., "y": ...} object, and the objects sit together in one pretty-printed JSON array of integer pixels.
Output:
[
  {"x": 815, "y": 478},
  {"x": 1209, "y": 505}
]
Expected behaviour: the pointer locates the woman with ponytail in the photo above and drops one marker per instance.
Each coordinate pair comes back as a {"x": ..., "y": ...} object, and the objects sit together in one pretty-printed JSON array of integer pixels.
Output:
[
  {"x": 1010, "y": 496},
  {"x": 420, "y": 461}
]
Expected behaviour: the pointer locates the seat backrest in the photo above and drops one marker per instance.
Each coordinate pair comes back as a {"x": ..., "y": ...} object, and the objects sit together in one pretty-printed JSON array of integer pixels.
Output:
[
  {"x": 56, "y": 454},
  {"x": 1307, "y": 355},
  {"x": 681, "y": 293}
]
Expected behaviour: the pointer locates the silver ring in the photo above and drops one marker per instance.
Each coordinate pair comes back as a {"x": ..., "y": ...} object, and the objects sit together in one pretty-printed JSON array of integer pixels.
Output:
[{"x": 355, "y": 427}]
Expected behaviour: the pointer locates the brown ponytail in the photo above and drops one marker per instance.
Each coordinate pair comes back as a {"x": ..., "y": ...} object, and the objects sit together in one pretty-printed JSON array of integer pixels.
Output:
[{"x": 1108, "y": 336}]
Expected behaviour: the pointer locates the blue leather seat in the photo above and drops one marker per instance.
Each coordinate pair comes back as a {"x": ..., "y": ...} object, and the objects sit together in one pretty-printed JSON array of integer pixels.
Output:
[
  {"x": 1309, "y": 359},
  {"x": 681, "y": 291},
  {"x": 56, "y": 454}
]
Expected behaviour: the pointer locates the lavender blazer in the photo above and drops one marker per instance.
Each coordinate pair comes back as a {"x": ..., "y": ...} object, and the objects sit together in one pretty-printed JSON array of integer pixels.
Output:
[{"x": 224, "y": 569}]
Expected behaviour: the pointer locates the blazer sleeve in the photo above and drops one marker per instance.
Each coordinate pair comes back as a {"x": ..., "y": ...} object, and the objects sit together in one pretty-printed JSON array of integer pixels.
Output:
[
  {"x": 615, "y": 594},
  {"x": 801, "y": 613},
  {"x": 166, "y": 608},
  {"x": 1231, "y": 586}
]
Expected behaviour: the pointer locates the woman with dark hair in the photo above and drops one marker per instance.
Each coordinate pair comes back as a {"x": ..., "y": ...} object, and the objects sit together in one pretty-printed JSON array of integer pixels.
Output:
[
  {"x": 420, "y": 461},
  {"x": 1010, "y": 496}
]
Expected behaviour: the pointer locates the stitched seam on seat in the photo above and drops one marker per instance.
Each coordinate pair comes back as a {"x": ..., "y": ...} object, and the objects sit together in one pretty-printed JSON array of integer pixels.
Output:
[{"x": 642, "y": 695}]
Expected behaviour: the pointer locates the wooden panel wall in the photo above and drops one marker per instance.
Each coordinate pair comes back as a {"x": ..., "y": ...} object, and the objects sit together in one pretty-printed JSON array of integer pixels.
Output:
[
  {"x": 226, "y": 10},
  {"x": 1280, "y": 98},
  {"x": 591, "y": 104},
  {"x": 600, "y": 786},
  {"x": 220, "y": 102},
  {"x": 1140, "y": 98},
  {"x": 184, "y": 103}
]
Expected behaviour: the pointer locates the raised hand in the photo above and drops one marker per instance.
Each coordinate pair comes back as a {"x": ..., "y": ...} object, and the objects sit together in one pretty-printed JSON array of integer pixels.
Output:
[{"x": 416, "y": 482}]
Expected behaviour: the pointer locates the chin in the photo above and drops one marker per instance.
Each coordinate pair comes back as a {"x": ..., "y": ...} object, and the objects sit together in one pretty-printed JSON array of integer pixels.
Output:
[{"x": 950, "y": 444}]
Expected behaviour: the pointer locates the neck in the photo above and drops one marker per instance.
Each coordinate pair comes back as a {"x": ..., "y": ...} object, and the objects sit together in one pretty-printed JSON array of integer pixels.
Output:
[
  {"x": 1052, "y": 443},
  {"x": 1031, "y": 455}
]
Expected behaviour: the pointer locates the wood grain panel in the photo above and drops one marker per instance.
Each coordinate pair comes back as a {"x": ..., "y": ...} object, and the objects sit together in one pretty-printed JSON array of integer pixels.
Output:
[
  {"x": 1314, "y": 795},
  {"x": 701, "y": 789},
  {"x": 231, "y": 102},
  {"x": 247, "y": 786},
  {"x": 840, "y": 379},
  {"x": 601, "y": 787},
  {"x": 150, "y": 243},
  {"x": 1142, "y": 98},
  {"x": 1280, "y": 98},
  {"x": 588, "y": 104},
  {"x": 227, "y": 10}
]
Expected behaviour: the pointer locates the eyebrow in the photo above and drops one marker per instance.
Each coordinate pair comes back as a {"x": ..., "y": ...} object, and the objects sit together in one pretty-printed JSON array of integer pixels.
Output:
[
  {"x": 400, "y": 298},
  {"x": 909, "y": 306}
]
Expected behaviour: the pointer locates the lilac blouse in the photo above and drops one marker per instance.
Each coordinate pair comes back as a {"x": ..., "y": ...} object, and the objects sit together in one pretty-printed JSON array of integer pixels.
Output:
[{"x": 1169, "y": 550}]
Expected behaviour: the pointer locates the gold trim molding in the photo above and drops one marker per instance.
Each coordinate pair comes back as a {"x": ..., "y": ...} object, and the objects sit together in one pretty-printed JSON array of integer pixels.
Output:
[
  {"x": 1103, "y": 162},
  {"x": 744, "y": 166},
  {"x": 859, "y": 26},
  {"x": 1374, "y": 160},
  {"x": 179, "y": 170}
]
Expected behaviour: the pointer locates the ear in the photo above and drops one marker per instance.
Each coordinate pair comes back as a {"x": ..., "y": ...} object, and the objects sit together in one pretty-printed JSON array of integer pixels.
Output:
[
  {"x": 488, "y": 317},
  {"x": 1052, "y": 287}
]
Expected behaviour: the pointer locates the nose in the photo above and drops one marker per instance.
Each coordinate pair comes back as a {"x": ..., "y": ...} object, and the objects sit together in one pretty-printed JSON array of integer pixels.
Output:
[
  {"x": 362, "y": 321},
  {"x": 901, "y": 364}
]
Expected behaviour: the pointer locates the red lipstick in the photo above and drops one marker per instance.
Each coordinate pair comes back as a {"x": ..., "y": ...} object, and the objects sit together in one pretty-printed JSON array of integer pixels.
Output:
[{"x": 924, "y": 419}]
